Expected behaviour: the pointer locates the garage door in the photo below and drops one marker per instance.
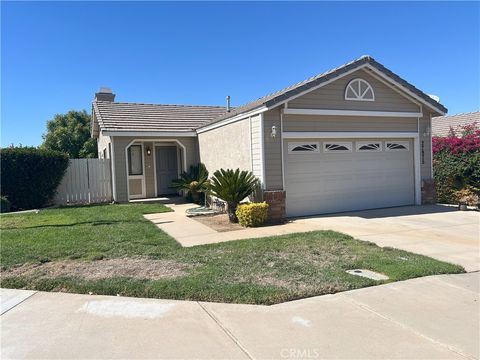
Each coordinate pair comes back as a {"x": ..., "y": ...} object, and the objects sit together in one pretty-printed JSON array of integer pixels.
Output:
[{"x": 328, "y": 176}]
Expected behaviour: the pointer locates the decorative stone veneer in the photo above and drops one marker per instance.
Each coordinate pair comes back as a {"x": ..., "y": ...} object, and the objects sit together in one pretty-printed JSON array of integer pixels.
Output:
[
  {"x": 428, "y": 192},
  {"x": 276, "y": 201}
]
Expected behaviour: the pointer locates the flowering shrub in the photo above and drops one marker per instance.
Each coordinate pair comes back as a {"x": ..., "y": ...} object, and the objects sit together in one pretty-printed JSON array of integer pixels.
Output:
[
  {"x": 466, "y": 142},
  {"x": 456, "y": 164}
]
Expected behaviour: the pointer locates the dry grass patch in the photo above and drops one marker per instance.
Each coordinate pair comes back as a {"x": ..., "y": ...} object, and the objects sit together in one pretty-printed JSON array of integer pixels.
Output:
[{"x": 136, "y": 268}]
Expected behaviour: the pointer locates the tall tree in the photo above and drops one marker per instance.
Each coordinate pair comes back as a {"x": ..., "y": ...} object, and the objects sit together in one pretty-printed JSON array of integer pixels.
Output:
[{"x": 70, "y": 133}]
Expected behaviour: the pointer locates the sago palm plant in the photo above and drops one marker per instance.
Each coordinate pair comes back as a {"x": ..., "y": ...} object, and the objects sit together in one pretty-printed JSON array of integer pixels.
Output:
[
  {"x": 194, "y": 182},
  {"x": 232, "y": 186}
]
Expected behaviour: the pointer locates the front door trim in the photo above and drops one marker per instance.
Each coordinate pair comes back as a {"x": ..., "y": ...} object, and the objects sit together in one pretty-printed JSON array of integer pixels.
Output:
[{"x": 156, "y": 142}]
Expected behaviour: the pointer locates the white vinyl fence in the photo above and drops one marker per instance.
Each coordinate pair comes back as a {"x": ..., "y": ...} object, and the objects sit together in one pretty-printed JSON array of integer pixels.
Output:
[{"x": 86, "y": 181}]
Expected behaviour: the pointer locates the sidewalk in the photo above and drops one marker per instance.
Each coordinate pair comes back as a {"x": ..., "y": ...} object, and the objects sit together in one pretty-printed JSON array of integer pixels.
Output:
[{"x": 432, "y": 318}]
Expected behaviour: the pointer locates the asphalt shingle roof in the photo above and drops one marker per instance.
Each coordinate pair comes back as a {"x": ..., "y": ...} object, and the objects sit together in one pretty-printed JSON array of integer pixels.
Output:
[
  {"x": 116, "y": 116},
  {"x": 441, "y": 124}
]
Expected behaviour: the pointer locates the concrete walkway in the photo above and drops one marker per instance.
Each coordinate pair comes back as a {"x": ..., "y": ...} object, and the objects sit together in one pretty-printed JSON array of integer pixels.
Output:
[
  {"x": 441, "y": 232},
  {"x": 429, "y": 318}
]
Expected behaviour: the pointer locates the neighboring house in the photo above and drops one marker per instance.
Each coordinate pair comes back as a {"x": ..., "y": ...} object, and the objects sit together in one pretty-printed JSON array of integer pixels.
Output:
[
  {"x": 441, "y": 125},
  {"x": 356, "y": 137}
]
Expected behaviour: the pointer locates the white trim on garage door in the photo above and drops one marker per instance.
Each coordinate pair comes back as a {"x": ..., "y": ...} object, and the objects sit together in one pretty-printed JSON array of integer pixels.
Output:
[{"x": 372, "y": 179}]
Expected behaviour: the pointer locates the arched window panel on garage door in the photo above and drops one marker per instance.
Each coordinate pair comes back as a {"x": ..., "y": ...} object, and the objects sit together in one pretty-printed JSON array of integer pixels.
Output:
[
  {"x": 303, "y": 147},
  {"x": 397, "y": 145},
  {"x": 369, "y": 146},
  {"x": 337, "y": 147}
]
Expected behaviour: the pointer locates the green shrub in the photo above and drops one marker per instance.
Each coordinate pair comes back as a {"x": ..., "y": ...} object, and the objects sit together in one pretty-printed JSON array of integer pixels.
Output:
[
  {"x": 30, "y": 176},
  {"x": 252, "y": 214},
  {"x": 4, "y": 204},
  {"x": 194, "y": 182}
]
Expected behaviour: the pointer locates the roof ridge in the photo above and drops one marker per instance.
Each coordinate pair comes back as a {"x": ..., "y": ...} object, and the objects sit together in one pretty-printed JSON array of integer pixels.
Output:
[
  {"x": 461, "y": 114},
  {"x": 178, "y": 105}
]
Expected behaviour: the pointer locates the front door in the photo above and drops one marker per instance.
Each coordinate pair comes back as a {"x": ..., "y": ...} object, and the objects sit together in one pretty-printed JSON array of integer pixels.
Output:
[{"x": 167, "y": 168}]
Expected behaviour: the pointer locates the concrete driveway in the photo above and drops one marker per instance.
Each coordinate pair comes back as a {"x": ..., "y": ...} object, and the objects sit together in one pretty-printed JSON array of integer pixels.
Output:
[
  {"x": 427, "y": 318},
  {"x": 438, "y": 231}
]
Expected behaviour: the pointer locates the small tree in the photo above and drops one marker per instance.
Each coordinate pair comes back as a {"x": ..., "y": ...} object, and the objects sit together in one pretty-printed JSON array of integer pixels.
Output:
[
  {"x": 70, "y": 133},
  {"x": 232, "y": 186}
]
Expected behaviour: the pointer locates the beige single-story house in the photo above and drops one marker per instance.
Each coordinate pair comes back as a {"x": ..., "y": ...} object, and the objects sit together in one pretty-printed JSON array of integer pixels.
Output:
[
  {"x": 441, "y": 125},
  {"x": 355, "y": 137}
]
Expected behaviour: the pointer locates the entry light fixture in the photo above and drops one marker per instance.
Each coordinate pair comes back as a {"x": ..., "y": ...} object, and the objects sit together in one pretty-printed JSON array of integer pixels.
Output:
[
  {"x": 427, "y": 132},
  {"x": 149, "y": 151},
  {"x": 273, "y": 134}
]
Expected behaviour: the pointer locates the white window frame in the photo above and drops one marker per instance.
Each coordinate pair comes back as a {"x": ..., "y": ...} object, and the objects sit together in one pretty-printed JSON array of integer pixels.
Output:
[
  {"x": 129, "y": 165},
  {"x": 347, "y": 144},
  {"x": 360, "y": 97},
  {"x": 292, "y": 145},
  {"x": 135, "y": 177},
  {"x": 359, "y": 144},
  {"x": 406, "y": 144}
]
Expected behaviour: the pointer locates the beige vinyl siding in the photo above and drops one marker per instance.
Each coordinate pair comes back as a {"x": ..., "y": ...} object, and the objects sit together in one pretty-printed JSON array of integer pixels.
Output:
[
  {"x": 273, "y": 150},
  {"x": 121, "y": 142},
  {"x": 227, "y": 147},
  {"x": 425, "y": 146},
  {"x": 332, "y": 96},
  {"x": 348, "y": 123},
  {"x": 149, "y": 170},
  {"x": 256, "y": 144}
]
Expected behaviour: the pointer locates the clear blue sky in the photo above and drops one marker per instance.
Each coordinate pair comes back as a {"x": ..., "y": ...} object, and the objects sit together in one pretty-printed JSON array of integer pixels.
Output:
[{"x": 56, "y": 55}]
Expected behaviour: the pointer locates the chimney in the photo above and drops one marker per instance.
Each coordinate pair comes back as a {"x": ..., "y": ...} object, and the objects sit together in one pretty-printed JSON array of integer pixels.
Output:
[
  {"x": 228, "y": 103},
  {"x": 105, "y": 94}
]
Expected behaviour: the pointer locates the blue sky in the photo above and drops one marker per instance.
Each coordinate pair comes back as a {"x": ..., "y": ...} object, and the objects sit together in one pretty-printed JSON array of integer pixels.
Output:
[{"x": 55, "y": 55}]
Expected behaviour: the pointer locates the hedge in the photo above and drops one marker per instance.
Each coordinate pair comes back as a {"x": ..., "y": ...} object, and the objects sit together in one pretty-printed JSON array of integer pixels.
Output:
[{"x": 30, "y": 176}]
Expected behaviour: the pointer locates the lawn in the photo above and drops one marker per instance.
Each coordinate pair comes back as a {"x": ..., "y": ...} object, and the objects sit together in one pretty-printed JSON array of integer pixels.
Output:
[{"x": 112, "y": 249}]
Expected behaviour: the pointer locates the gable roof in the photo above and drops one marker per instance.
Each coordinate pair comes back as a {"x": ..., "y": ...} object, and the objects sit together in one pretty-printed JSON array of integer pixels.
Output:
[
  {"x": 133, "y": 117},
  {"x": 441, "y": 124},
  {"x": 280, "y": 96}
]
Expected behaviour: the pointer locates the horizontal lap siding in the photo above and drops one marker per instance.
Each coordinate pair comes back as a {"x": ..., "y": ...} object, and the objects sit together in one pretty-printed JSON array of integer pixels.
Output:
[
  {"x": 332, "y": 96},
  {"x": 273, "y": 151},
  {"x": 426, "y": 155},
  {"x": 347, "y": 123},
  {"x": 257, "y": 156},
  {"x": 227, "y": 147}
]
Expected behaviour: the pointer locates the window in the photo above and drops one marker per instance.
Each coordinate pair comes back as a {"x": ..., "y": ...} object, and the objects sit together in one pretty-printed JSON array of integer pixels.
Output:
[
  {"x": 359, "y": 90},
  {"x": 337, "y": 147},
  {"x": 297, "y": 147},
  {"x": 135, "y": 166},
  {"x": 369, "y": 146},
  {"x": 105, "y": 153},
  {"x": 397, "y": 146}
]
